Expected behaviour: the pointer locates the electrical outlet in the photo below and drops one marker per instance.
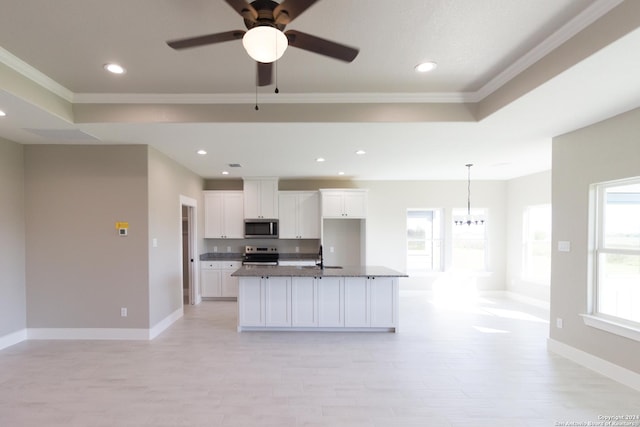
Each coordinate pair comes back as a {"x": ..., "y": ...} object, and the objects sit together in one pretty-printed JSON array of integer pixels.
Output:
[
  {"x": 297, "y": 249},
  {"x": 228, "y": 248},
  {"x": 215, "y": 249},
  {"x": 559, "y": 323},
  {"x": 123, "y": 312}
]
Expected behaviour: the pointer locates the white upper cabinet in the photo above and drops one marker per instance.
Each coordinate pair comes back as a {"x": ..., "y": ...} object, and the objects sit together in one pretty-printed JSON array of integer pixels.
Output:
[
  {"x": 223, "y": 217},
  {"x": 299, "y": 214},
  {"x": 347, "y": 203},
  {"x": 261, "y": 198}
]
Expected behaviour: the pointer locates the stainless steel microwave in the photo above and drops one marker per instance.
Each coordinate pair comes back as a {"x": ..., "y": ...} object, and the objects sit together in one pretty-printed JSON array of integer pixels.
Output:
[{"x": 261, "y": 228}]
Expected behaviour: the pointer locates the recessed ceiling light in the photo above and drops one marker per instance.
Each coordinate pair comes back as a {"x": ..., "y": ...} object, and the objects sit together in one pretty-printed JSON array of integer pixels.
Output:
[
  {"x": 320, "y": 159},
  {"x": 340, "y": 173},
  {"x": 225, "y": 172},
  {"x": 114, "y": 68},
  {"x": 2, "y": 113},
  {"x": 425, "y": 67},
  {"x": 201, "y": 152},
  {"x": 360, "y": 152}
]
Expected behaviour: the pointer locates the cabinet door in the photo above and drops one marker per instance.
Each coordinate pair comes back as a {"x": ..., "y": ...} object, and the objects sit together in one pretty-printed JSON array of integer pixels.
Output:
[
  {"x": 330, "y": 302},
  {"x": 213, "y": 215},
  {"x": 383, "y": 301},
  {"x": 356, "y": 302},
  {"x": 332, "y": 205},
  {"x": 355, "y": 204},
  {"x": 229, "y": 283},
  {"x": 251, "y": 297},
  {"x": 251, "y": 199},
  {"x": 269, "y": 198},
  {"x": 308, "y": 215},
  {"x": 304, "y": 301},
  {"x": 210, "y": 283},
  {"x": 288, "y": 215},
  {"x": 233, "y": 215},
  {"x": 278, "y": 301}
]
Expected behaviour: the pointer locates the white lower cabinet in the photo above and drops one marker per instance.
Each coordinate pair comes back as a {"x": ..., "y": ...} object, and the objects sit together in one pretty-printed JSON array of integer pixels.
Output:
[
  {"x": 356, "y": 302},
  {"x": 304, "y": 301},
  {"x": 251, "y": 302},
  {"x": 318, "y": 302},
  {"x": 277, "y": 301},
  {"x": 331, "y": 302},
  {"x": 383, "y": 301},
  {"x": 216, "y": 280}
]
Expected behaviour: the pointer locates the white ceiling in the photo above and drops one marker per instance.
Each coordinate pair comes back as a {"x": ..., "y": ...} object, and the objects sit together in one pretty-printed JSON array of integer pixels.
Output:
[{"x": 504, "y": 86}]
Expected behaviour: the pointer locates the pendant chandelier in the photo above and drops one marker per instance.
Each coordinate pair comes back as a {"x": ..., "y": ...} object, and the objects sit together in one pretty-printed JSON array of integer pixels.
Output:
[{"x": 469, "y": 219}]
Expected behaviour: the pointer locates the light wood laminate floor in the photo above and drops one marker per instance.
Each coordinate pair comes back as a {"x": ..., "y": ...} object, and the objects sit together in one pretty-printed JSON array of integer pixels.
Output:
[{"x": 476, "y": 363}]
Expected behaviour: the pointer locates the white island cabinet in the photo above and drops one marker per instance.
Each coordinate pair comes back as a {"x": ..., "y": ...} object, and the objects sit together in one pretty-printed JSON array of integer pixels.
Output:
[{"x": 313, "y": 299}]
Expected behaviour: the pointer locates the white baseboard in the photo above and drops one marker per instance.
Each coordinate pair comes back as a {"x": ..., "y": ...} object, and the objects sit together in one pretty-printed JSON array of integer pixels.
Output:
[
  {"x": 159, "y": 327},
  {"x": 90, "y": 333},
  {"x": 87, "y": 334},
  {"x": 13, "y": 338},
  {"x": 601, "y": 366}
]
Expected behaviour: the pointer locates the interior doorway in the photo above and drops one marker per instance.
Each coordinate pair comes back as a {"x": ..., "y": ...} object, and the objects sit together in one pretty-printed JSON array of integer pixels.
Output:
[{"x": 190, "y": 288}]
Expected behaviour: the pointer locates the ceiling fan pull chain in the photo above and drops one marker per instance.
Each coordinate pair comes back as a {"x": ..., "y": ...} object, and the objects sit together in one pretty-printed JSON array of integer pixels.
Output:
[
  {"x": 256, "y": 107},
  {"x": 276, "y": 67},
  {"x": 277, "y": 90}
]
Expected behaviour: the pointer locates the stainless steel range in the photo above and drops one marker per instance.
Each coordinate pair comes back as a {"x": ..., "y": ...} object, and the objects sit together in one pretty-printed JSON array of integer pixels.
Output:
[{"x": 260, "y": 255}]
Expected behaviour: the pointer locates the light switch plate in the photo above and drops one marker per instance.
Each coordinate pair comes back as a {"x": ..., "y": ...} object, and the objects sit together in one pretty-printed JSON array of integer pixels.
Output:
[{"x": 564, "y": 246}]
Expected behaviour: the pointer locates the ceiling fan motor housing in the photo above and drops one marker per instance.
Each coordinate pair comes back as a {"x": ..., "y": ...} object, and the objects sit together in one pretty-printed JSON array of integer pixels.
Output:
[{"x": 265, "y": 10}]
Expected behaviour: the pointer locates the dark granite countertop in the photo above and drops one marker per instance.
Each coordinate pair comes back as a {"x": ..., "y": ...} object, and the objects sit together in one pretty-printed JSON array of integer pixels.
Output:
[
  {"x": 221, "y": 256},
  {"x": 293, "y": 271}
]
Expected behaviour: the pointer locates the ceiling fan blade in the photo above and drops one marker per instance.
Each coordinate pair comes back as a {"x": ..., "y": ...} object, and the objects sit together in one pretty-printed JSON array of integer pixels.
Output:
[
  {"x": 321, "y": 46},
  {"x": 206, "y": 39},
  {"x": 289, "y": 10},
  {"x": 265, "y": 73},
  {"x": 244, "y": 9}
]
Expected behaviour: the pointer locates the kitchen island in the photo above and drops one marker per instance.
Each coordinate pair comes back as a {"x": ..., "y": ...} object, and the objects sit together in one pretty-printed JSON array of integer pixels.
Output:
[{"x": 294, "y": 298}]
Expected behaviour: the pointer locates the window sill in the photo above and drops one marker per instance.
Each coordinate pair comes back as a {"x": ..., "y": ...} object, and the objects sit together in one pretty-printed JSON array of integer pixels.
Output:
[{"x": 612, "y": 326}]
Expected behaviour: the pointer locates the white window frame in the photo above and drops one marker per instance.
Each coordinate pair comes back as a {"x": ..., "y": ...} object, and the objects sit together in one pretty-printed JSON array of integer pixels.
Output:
[
  {"x": 527, "y": 243},
  {"x": 594, "y": 318},
  {"x": 436, "y": 242}
]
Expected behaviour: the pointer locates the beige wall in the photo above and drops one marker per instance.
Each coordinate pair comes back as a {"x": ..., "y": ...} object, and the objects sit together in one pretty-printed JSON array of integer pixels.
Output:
[
  {"x": 79, "y": 272},
  {"x": 522, "y": 192},
  {"x": 602, "y": 152},
  {"x": 167, "y": 182},
  {"x": 12, "y": 235}
]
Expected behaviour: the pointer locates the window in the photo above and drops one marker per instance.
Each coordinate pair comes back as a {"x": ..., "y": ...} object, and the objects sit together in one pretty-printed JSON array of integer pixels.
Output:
[
  {"x": 424, "y": 240},
  {"x": 536, "y": 254},
  {"x": 469, "y": 243},
  {"x": 617, "y": 251}
]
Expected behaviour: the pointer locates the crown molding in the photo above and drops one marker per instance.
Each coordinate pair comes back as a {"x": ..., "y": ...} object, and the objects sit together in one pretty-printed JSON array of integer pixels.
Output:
[
  {"x": 555, "y": 40},
  {"x": 293, "y": 98},
  {"x": 31, "y": 73}
]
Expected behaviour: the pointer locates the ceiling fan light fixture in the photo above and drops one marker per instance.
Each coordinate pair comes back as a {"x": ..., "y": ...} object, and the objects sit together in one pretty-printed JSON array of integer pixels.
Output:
[{"x": 265, "y": 44}]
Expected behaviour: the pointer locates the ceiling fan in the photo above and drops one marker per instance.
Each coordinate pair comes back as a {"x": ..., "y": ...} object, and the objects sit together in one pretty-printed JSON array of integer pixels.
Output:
[{"x": 265, "y": 40}]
